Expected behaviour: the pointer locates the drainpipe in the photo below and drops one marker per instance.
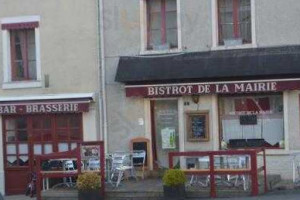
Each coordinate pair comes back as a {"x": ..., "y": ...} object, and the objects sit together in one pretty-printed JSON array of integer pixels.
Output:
[{"x": 101, "y": 74}]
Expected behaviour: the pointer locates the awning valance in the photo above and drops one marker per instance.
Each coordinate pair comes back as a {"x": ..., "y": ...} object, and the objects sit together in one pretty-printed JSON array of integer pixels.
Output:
[
  {"x": 46, "y": 104},
  {"x": 23, "y": 25}
]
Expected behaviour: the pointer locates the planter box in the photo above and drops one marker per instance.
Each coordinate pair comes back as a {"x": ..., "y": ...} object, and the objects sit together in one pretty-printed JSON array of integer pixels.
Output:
[
  {"x": 174, "y": 192},
  {"x": 90, "y": 195}
]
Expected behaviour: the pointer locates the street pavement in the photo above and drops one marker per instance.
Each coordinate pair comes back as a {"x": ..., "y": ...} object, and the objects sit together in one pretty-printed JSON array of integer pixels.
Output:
[{"x": 277, "y": 195}]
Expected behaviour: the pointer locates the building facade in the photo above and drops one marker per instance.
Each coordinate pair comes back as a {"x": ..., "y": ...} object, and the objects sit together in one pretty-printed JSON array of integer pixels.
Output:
[
  {"x": 190, "y": 75},
  {"x": 49, "y": 81}
]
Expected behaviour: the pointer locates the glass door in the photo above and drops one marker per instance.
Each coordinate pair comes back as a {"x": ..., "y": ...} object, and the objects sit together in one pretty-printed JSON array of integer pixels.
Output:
[
  {"x": 16, "y": 154},
  {"x": 164, "y": 130}
]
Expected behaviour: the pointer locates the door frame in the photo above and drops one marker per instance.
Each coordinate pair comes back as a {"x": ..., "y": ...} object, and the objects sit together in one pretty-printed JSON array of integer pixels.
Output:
[{"x": 181, "y": 132}]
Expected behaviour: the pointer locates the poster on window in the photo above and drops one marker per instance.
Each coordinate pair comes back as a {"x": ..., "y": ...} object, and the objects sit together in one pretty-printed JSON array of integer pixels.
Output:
[
  {"x": 90, "y": 151},
  {"x": 168, "y": 138}
]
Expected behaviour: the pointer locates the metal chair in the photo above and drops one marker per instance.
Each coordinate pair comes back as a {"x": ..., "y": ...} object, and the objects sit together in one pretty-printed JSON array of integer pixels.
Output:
[
  {"x": 118, "y": 160},
  {"x": 94, "y": 164},
  {"x": 138, "y": 159}
]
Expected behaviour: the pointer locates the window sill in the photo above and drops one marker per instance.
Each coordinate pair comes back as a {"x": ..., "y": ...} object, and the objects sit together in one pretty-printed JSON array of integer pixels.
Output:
[
  {"x": 22, "y": 84},
  {"x": 153, "y": 52},
  {"x": 244, "y": 46}
]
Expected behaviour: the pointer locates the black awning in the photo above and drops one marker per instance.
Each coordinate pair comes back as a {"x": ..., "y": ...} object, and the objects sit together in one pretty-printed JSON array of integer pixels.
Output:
[{"x": 241, "y": 64}]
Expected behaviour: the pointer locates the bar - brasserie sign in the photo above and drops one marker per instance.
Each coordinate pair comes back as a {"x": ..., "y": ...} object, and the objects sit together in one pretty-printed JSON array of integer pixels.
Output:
[
  {"x": 212, "y": 88},
  {"x": 34, "y": 108}
]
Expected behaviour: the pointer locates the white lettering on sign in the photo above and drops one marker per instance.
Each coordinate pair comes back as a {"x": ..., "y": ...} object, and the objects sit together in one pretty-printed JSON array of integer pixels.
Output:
[
  {"x": 45, "y": 108},
  {"x": 8, "y": 109},
  {"x": 170, "y": 90},
  {"x": 177, "y": 90},
  {"x": 255, "y": 87}
]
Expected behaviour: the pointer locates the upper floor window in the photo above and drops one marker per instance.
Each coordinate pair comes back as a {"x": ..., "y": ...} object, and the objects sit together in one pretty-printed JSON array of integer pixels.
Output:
[
  {"x": 234, "y": 18},
  {"x": 23, "y": 56},
  {"x": 21, "y": 52},
  {"x": 162, "y": 30}
]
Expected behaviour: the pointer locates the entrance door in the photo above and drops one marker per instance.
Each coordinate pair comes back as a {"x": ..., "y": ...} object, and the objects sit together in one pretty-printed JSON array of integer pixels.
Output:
[
  {"x": 29, "y": 135},
  {"x": 16, "y": 151},
  {"x": 164, "y": 117}
]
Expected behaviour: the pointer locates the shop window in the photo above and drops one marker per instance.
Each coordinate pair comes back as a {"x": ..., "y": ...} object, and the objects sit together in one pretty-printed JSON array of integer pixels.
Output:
[
  {"x": 252, "y": 121},
  {"x": 161, "y": 24},
  {"x": 234, "y": 18}
]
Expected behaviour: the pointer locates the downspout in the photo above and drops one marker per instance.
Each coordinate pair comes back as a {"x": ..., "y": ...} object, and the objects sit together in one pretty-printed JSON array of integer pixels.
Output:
[{"x": 101, "y": 74}]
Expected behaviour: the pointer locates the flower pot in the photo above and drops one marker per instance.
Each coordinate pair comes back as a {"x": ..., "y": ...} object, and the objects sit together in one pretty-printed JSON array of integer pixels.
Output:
[
  {"x": 90, "y": 195},
  {"x": 174, "y": 192}
]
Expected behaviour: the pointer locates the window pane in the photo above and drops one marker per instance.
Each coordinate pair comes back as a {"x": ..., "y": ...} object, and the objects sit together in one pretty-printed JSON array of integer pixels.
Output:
[
  {"x": 32, "y": 70},
  {"x": 62, "y": 135},
  {"x": 36, "y": 123},
  {"x": 36, "y": 136},
  {"x": 172, "y": 38},
  {"x": 37, "y": 149},
  {"x": 155, "y": 38},
  {"x": 48, "y": 148},
  {"x": 245, "y": 20},
  {"x": 171, "y": 5},
  {"x": 62, "y": 122},
  {"x": 22, "y": 136},
  {"x": 12, "y": 161},
  {"x": 47, "y": 136},
  {"x": 225, "y": 20},
  {"x": 75, "y": 121},
  {"x": 23, "y": 161},
  {"x": 11, "y": 149},
  {"x": 10, "y": 136},
  {"x": 23, "y": 148},
  {"x": 73, "y": 146},
  {"x": 75, "y": 134},
  {"x": 63, "y": 147}
]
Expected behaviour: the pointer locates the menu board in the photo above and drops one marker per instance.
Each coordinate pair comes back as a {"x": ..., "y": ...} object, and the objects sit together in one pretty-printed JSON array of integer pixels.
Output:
[{"x": 197, "y": 124}]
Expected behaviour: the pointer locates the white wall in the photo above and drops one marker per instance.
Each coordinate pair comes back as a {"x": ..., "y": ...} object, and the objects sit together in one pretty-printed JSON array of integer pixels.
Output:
[
  {"x": 1, "y": 161},
  {"x": 90, "y": 125}
]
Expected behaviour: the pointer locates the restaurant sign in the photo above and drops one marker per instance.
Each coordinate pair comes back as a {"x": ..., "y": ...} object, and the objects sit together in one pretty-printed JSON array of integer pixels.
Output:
[
  {"x": 35, "y": 108},
  {"x": 168, "y": 90}
]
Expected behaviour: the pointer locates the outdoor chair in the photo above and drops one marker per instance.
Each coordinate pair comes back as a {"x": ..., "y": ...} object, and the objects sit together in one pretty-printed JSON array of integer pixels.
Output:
[
  {"x": 138, "y": 159},
  {"x": 237, "y": 162},
  {"x": 118, "y": 167},
  {"x": 94, "y": 164}
]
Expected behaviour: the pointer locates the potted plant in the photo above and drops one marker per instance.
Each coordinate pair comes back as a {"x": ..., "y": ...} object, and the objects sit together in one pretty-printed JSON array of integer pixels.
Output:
[
  {"x": 88, "y": 185},
  {"x": 174, "y": 184}
]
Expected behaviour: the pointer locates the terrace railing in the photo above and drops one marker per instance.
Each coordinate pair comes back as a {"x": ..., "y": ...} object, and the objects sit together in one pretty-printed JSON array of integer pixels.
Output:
[{"x": 252, "y": 170}]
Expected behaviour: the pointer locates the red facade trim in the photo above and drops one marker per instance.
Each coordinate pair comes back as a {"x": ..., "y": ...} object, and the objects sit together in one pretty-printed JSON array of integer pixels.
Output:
[
  {"x": 212, "y": 88},
  {"x": 23, "y": 25}
]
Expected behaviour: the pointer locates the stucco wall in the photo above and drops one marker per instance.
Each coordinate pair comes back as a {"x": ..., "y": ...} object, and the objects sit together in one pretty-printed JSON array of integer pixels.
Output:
[
  {"x": 68, "y": 40},
  {"x": 205, "y": 104},
  {"x": 1, "y": 162}
]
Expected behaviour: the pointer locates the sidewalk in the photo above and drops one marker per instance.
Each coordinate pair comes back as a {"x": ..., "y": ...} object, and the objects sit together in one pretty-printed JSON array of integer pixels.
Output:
[{"x": 277, "y": 195}]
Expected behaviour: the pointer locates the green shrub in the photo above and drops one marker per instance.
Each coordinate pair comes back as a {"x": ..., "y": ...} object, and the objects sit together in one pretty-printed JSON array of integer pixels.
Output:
[
  {"x": 174, "y": 177},
  {"x": 88, "y": 182}
]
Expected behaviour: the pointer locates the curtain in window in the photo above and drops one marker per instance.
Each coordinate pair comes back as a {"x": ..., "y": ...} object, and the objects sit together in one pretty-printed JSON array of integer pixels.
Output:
[
  {"x": 23, "y": 62},
  {"x": 162, "y": 23},
  {"x": 234, "y": 20}
]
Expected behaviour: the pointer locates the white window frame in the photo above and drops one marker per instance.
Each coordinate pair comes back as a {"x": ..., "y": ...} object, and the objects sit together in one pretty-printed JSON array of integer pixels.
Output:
[
  {"x": 215, "y": 29},
  {"x": 143, "y": 25},
  {"x": 7, "y": 76}
]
